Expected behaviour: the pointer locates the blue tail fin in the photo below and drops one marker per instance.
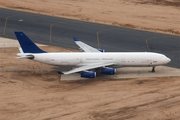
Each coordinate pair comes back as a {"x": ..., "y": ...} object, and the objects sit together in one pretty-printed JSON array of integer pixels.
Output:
[{"x": 26, "y": 44}]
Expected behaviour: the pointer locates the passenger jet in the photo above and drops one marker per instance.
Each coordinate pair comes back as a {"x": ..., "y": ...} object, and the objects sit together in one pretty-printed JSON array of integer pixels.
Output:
[{"x": 90, "y": 61}]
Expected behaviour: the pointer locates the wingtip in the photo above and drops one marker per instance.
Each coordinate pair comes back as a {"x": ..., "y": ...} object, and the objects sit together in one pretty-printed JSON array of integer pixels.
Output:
[
  {"x": 60, "y": 72},
  {"x": 75, "y": 39}
]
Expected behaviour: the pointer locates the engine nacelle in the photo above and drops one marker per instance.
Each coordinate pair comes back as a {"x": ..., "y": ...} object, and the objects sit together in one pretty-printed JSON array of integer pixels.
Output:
[
  {"x": 108, "y": 71},
  {"x": 88, "y": 74}
]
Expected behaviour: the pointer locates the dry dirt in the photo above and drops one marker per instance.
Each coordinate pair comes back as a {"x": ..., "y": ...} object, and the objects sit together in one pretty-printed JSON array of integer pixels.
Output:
[
  {"x": 31, "y": 90},
  {"x": 152, "y": 15}
]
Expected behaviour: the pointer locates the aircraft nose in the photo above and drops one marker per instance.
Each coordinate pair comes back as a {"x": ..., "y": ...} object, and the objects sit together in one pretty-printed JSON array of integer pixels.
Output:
[{"x": 167, "y": 60}]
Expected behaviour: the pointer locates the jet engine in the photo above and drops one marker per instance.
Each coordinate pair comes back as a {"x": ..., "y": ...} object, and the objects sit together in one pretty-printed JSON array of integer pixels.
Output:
[
  {"x": 108, "y": 71},
  {"x": 88, "y": 74}
]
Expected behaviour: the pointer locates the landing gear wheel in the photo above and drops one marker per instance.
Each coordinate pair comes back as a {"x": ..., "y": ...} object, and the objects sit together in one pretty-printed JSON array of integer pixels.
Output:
[{"x": 153, "y": 69}]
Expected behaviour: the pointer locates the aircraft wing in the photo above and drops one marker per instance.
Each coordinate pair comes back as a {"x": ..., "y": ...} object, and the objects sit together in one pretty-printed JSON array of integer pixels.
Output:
[
  {"x": 89, "y": 67},
  {"x": 85, "y": 47}
]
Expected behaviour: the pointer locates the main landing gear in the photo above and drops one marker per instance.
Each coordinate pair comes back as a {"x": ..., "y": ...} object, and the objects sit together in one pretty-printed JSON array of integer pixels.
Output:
[{"x": 153, "y": 69}]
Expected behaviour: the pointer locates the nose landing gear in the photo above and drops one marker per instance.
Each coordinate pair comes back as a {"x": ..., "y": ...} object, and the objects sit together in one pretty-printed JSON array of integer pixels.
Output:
[{"x": 153, "y": 69}]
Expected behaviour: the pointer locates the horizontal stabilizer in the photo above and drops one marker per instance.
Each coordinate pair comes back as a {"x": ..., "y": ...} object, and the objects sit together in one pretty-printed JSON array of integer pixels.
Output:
[
  {"x": 27, "y": 56},
  {"x": 60, "y": 72}
]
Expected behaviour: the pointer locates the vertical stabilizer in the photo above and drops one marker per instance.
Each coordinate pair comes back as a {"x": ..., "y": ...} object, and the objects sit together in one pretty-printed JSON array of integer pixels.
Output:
[{"x": 26, "y": 44}]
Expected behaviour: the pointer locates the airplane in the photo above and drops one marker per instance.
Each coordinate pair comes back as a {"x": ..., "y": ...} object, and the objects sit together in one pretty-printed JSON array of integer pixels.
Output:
[{"x": 90, "y": 61}]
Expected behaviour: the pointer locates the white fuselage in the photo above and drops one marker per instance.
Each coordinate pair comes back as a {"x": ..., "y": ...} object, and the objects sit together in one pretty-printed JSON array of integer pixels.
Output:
[{"x": 122, "y": 59}]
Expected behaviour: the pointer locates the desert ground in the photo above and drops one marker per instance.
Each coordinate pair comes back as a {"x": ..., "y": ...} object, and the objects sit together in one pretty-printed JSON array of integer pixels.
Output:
[
  {"x": 31, "y": 90},
  {"x": 152, "y": 15}
]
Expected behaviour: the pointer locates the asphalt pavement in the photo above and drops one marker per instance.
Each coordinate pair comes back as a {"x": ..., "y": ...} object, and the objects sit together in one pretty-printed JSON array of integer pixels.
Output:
[{"x": 58, "y": 31}]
